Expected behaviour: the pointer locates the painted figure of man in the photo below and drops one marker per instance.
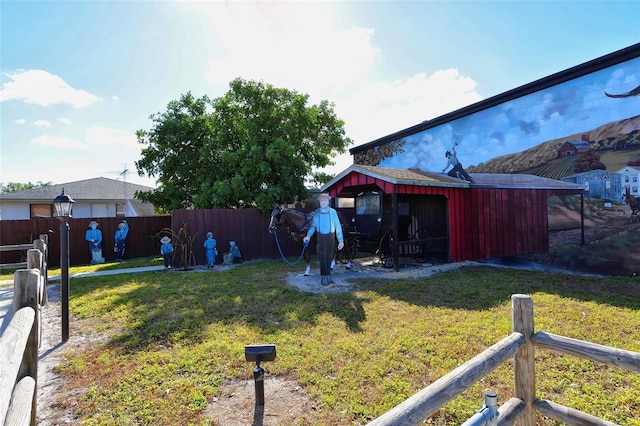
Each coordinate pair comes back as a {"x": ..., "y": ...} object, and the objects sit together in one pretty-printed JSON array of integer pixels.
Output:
[
  {"x": 166, "y": 249},
  {"x": 210, "y": 250},
  {"x": 94, "y": 237},
  {"x": 327, "y": 224},
  {"x": 457, "y": 171},
  {"x": 120, "y": 238}
]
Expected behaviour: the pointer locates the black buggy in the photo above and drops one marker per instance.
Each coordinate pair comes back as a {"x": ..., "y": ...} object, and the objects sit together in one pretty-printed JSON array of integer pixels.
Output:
[{"x": 422, "y": 228}]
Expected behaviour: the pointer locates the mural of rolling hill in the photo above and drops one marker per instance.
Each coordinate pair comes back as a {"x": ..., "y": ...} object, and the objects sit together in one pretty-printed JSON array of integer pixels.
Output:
[{"x": 542, "y": 160}]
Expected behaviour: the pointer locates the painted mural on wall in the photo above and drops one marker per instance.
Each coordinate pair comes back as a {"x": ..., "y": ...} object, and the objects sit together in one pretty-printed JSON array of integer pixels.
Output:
[{"x": 585, "y": 130}]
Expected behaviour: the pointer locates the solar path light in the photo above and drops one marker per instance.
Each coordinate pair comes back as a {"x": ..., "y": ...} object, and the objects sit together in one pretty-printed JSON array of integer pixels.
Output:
[{"x": 257, "y": 354}]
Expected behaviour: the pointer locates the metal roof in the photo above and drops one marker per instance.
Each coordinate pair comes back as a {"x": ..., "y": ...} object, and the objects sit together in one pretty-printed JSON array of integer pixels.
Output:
[{"x": 418, "y": 177}]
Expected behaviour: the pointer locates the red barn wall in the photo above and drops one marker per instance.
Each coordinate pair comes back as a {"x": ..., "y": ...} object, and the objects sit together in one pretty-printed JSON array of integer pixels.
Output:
[{"x": 484, "y": 223}]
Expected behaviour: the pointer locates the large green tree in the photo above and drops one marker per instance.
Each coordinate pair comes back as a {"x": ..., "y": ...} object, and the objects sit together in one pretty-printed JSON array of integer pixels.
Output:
[{"x": 255, "y": 146}]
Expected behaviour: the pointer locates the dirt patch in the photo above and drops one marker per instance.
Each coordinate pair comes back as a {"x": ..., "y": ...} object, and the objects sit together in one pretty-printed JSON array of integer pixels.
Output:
[{"x": 285, "y": 403}]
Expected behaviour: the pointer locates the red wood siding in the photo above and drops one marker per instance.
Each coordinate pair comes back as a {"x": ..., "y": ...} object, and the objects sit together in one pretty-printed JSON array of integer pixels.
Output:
[{"x": 483, "y": 222}]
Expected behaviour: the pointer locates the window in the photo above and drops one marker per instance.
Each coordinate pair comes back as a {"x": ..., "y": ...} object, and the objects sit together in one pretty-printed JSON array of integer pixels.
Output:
[
  {"x": 368, "y": 204},
  {"x": 41, "y": 210},
  {"x": 120, "y": 210},
  {"x": 344, "y": 202}
]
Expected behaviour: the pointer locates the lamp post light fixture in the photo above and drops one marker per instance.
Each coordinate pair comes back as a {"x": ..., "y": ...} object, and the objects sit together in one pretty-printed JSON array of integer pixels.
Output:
[{"x": 63, "y": 205}]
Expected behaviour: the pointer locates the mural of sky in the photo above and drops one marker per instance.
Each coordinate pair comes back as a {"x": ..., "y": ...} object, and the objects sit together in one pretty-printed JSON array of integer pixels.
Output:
[{"x": 573, "y": 107}]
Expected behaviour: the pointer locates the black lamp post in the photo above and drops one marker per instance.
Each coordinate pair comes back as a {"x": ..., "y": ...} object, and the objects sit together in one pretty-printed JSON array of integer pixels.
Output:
[{"x": 63, "y": 205}]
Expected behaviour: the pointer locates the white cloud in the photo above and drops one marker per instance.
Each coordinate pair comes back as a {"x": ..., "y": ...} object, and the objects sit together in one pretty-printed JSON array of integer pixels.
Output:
[
  {"x": 20, "y": 121},
  {"x": 111, "y": 137},
  {"x": 60, "y": 142},
  {"x": 44, "y": 89},
  {"x": 42, "y": 123},
  {"x": 64, "y": 120}
]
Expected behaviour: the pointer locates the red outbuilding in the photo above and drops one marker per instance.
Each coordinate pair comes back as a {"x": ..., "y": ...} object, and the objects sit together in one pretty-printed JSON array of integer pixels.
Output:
[{"x": 500, "y": 215}]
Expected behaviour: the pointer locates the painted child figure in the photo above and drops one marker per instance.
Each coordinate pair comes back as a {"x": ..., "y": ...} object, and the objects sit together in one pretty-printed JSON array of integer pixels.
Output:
[
  {"x": 166, "y": 249},
  {"x": 210, "y": 249},
  {"x": 120, "y": 238},
  {"x": 94, "y": 237},
  {"x": 234, "y": 250}
]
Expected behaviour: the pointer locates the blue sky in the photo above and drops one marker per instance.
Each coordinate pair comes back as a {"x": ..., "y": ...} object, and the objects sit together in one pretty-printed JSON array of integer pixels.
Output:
[{"x": 78, "y": 78}]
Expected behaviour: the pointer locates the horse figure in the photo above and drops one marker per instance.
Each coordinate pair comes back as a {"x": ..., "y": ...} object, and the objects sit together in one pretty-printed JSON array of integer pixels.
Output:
[
  {"x": 297, "y": 224},
  {"x": 634, "y": 204}
]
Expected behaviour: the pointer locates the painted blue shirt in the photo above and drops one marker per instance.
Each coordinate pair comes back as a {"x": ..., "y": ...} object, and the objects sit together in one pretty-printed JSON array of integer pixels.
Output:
[
  {"x": 326, "y": 221},
  {"x": 94, "y": 236},
  {"x": 166, "y": 248},
  {"x": 121, "y": 234},
  {"x": 210, "y": 244}
]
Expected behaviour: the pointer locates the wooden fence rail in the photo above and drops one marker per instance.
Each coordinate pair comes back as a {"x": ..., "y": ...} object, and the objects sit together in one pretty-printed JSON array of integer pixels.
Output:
[
  {"x": 521, "y": 409},
  {"x": 20, "y": 342},
  {"x": 39, "y": 244}
]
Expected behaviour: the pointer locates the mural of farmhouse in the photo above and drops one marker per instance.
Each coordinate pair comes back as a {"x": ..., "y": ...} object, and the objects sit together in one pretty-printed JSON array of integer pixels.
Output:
[{"x": 580, "y": 126}]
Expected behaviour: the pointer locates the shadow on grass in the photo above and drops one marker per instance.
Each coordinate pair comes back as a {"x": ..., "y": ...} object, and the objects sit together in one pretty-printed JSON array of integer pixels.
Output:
[
  {"x": 485, "y": 287},
  {"x": 179, "y": 306}
]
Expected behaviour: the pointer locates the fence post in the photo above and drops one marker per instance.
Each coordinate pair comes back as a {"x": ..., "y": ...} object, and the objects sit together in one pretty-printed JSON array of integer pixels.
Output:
[
  {"x": 42, "y": 244},
  {"x": 26, "y": 285},
  {"x": 34, "y": 261},
  {"x": 525, "y": 383}
]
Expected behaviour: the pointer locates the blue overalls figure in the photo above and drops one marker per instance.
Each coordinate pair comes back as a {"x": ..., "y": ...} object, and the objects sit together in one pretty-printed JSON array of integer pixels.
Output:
[
  {"x": 120, "y": 237},
  {"x": 211, "y": 251}
]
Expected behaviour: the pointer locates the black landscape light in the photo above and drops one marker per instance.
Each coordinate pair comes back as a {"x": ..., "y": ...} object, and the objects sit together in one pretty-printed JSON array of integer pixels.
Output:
[
  {"x": 63, "y": 205},
  {"x": 257, "y": 354}
]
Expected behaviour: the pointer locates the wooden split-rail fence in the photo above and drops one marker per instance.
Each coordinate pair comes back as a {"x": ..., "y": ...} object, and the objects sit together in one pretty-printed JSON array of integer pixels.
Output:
[
  {"x": 521, "y": 409},
  {"x": 20, "y": 341}
]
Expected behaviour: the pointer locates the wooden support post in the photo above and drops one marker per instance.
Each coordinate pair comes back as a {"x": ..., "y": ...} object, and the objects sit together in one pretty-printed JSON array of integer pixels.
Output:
[
  {"x": 20, "y": 412},
  {"x": 525, "y": 382},
  {"x": 13, "y": 343},
  {"x": 26, "y": 286},
  {"x": 34, "y": 261},
  {"x": 43, "y": 245}
]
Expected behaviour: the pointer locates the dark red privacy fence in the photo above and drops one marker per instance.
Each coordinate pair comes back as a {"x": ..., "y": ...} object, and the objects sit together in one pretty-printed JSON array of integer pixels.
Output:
[
  {"x": 247, "y": 226},
  {"x": 141, "y": 241}
]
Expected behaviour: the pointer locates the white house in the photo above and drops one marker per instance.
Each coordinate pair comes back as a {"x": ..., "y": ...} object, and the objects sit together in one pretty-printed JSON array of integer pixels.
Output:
[
  {"x": 99, "y": 197},
  {"x": 630, "y": 179}
]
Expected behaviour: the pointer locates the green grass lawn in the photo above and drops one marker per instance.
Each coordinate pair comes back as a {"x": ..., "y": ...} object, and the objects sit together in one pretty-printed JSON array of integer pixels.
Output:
[
  {"x": 6, "y": 276},
  {"x": 174, "y": 337}
]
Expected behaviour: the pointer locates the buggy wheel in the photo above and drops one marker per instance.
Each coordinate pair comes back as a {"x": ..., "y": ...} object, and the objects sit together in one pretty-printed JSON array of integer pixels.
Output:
[
  {"x": 350, "y": 250},
  {"x": 385, "y": 250}
]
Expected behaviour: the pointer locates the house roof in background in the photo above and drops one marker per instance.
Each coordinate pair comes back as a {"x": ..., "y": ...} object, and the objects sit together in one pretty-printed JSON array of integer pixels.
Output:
[
  {"x": 97, "y": 189},
  {"x": 89, "y": 190}
]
